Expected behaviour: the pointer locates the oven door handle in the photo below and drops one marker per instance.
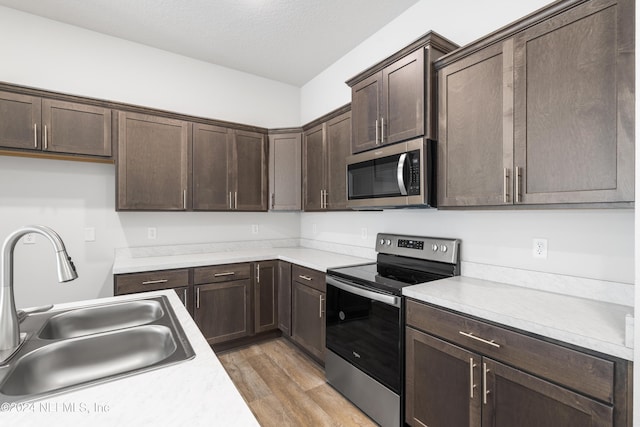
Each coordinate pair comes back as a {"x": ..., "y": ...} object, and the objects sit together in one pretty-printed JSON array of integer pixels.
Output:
[{"x": 347, "y": 287}]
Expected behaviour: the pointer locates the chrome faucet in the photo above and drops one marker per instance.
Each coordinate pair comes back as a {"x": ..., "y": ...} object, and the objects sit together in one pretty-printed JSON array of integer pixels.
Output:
[{"x": 9, "y": 326}]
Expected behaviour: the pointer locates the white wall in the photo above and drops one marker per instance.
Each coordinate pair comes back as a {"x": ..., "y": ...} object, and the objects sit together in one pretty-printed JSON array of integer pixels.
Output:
[
  {"x": 50, "y": 55},
  {"x": 70, "y": 196}
]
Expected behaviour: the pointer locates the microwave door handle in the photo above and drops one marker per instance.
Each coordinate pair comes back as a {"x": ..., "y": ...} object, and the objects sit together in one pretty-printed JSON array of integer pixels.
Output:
[{"x": 401, "y": 162}]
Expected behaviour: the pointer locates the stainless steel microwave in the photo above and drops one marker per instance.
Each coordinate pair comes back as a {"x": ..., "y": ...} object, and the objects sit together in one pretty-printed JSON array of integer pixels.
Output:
[{"x": 396, "y": 176}]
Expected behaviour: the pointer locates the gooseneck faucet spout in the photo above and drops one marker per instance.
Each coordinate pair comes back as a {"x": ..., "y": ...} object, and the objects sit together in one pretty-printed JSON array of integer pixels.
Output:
[{"x": 9, "y": 326}]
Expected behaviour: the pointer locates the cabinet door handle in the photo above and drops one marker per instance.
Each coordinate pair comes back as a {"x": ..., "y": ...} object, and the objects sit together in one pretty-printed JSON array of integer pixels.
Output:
[
  {"x": 258, "y": 273},
  {"x": 35, "y": 135},
  {"x": 506, "y": 186},
  {"x": 482, "y": 340},
  {"x": 46, "y": 143},
  {"x": 321, "y": 301},
  {"x": 197, "y": 297},
  {"x": 228, "y": 273},
  {"x": 376, "y": 131},
  {"x": 472, "y": 386},
  {"x": 230, "y": 201},
  {"x": 235, "y": 200},
  {"x": 184, "y": 199},
  {"x": 273, "y": 200},
  {"x": 155, "y": 282},
  {"x": 184, "y": 295},
  {"x": 518, "y": 175},
  {"x": 485, "y": 392},
  {"x": 382, "y": 130},
  {"x": 307, "y": 278}
]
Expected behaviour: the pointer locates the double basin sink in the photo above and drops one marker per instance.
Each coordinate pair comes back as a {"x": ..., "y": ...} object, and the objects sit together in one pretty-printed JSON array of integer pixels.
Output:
[{"x": 68, "y": 349}]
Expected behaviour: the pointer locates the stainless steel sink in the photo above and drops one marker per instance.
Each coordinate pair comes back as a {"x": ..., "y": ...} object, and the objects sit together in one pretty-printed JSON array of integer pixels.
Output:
[
  {"x": 65, "y": 350},
  {"x": 86, "y": 321}
]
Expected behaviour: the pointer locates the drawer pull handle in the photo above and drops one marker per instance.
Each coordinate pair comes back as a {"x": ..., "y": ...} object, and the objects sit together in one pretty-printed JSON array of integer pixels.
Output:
[
  {"x": 482, "y": 340},
  {"x": 228, "y": 273},
  {"x": 154, "y": 282},
  {"x": 305, "y": 278}
]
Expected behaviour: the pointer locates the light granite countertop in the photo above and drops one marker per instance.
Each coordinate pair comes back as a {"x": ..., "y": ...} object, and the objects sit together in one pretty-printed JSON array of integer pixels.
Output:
[
  {"x": 311, "y": 258},
  {"x": 591, "y": 324},
  {"x": 196, "y": 392}
]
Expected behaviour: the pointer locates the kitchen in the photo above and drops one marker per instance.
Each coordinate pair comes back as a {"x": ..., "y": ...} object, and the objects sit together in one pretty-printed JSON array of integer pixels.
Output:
[{"x": 71, "y": 196}]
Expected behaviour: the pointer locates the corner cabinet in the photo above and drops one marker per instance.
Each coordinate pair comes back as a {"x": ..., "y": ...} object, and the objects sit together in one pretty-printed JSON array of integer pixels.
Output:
[
  {"x": 229, "y": 169},
  {"x": 395, "y": 100},
  {"x": 54, "y": 126},
  {"x": 541, "y": 112},
  {"x": 285, "y": 170},
  {"x": 325, "y": 148},
  {"x": 463, "y": 372},
  {"x": 153, "y": 163}
]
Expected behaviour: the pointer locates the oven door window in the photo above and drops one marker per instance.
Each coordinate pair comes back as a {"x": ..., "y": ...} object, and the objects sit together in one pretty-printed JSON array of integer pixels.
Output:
[{"x": 367, "y": 334}]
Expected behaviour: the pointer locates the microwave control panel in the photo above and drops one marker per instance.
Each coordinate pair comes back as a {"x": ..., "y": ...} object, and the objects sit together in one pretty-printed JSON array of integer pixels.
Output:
[{"x": 414, "y": 174}]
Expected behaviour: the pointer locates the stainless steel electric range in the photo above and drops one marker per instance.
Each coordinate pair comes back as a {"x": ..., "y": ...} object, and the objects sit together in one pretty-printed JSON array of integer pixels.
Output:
[{"x": 365, "y": 320}]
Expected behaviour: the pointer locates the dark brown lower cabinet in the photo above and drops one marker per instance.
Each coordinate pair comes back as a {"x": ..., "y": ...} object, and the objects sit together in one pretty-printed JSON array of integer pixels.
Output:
[
  {"x": 308, "y": 318},
  {"x": 266, "y": 296},
  {"x": 284, "y": 297},
  {"x": 178, "y": 280},
  {"x": 223, "y": 310},
  {"x": 461, "y": 372}
]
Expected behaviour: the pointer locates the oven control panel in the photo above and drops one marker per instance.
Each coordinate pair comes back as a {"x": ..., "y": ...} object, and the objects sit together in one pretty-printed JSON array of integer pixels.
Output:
[{"x": 429, "y": 248}]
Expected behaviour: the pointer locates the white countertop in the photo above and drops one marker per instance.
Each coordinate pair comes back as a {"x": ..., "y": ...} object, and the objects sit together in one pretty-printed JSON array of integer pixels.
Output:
[
  {"x": 196, "y": 392},
  {"x": 591, "y": 324},
  {"x": 311, "y": 258}
]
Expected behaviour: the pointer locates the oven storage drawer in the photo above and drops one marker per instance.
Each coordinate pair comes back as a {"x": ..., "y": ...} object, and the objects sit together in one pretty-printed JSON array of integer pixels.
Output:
[
  {"x": 312, "y": 278},
  {"x": 584, "y": 373},
  {"x": 151, "y": 281},
  {"x": 221, "y": 273}
]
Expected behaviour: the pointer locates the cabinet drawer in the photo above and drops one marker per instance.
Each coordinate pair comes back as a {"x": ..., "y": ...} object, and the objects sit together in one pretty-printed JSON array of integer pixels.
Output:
[
  {"x": 309, "y": 277},
  {"x": 151, "y": 281},
  {"x": 221, "y": 273},
  {"x": 579, "y": 371}
]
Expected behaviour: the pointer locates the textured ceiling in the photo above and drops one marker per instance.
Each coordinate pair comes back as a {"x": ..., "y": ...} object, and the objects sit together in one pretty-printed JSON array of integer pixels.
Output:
[{"x": 285, "y": 40}]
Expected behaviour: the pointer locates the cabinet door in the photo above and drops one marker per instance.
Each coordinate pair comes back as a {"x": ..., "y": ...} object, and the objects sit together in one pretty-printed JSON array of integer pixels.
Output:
[
  {"x": 403, "y": 99},
  {"x": 284, "y": 297},
  {"x": 308, "y": 319},
  {"x": 475, "y": 146},
  {"x": 313, "y": 169},
  {"x": 515, "y": 398},
  {"x": 223, "y": 310},
  {"x": 285, "y": 172},
  {"x": 250, "y": 171},
  {"x": 443, "y": 383},
  {"x": 21, "y": 118},
  {"x": 338, "y": 148},
  {"x": 183, "y": 294},
  {"x": 574, "y": 93},
  {"x": 153, "y": 162},
  {"x": 76, "y": 128},
  {"x": 266, "y": 296},
  {"x": 366, "y": 98},
  {"x": 211, "y": 168}
]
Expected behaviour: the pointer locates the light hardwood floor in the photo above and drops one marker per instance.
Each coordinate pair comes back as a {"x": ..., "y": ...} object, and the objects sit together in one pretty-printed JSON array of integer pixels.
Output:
[{"x": 284, "y": 388}]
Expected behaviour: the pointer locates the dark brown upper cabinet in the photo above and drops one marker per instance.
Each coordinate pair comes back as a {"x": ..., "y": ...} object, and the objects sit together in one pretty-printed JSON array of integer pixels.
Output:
[
  {"x": 285, "y": 170},
  {"x": 541, "y": 112},
  {"x": 53, "y": 126},
  {"x": 153, "y": 162},
  {"x": 395, "y": 99},
  {"x": 326, "y": 146},
  {"x": 229, "y": 169}
]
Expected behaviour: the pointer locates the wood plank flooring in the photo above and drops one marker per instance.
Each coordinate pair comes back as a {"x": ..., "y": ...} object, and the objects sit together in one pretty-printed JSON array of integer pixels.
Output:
[{"x": 285, "y": 388}]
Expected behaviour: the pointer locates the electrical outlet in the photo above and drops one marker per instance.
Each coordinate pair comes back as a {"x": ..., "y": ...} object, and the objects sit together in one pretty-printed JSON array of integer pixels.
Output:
[
  {"x": 152, "y": 233},
  {"x": 540, "y": 248},
  {"x": 29, "y": 239},
  {"x": 363, "y": 233},
  {"x": 255, "y": 228}
]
